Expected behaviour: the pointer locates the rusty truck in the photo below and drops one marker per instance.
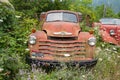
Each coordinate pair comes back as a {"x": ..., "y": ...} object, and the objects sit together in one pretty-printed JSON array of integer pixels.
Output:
[{"x": 61, "y": 40}]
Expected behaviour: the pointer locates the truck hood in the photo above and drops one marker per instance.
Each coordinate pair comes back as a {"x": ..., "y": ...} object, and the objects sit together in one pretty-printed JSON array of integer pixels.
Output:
[
  {"x": 61, "y": 29},
  {"x": 109, "y": 27}
]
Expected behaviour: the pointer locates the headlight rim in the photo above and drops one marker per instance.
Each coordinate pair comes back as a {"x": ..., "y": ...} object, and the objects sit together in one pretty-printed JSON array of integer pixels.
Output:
[
  {"x": 32, "y": 40},
  {"x": 92, "y": 41},
  {"x": 112, "y": 32}
]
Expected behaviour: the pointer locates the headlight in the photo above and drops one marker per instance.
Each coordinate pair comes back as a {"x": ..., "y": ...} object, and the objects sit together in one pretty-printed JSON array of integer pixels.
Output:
[
  {"x": 32, "y": 40},
  {"x": 112, "y": 32},
  {"x": 92, "y": 41}
]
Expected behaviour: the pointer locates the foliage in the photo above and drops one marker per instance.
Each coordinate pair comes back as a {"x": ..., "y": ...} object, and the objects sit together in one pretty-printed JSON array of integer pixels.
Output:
[
  {"x": 85, "y": 7},
  {"x": 12, "y": 44},
  {"x": 14, "y": 35},
  {"x": 6, "y": 13},
  {"x": 33, "y": 8},
  {"x": 104, "y": 12},
  {"x": 6, "y": 40}
]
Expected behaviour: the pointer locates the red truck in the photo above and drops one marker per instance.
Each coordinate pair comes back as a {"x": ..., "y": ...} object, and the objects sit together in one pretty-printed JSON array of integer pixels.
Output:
[
  {"x": 61, "y": 40},
  {"x": 110, "y": 30}
]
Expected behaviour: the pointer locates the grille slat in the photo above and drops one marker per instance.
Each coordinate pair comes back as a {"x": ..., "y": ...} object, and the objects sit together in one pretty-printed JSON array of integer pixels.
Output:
[
  {"x": 61, "y": 54},
  {"x": 61, "y": 49},
  {"x": 60, "y": 42}
]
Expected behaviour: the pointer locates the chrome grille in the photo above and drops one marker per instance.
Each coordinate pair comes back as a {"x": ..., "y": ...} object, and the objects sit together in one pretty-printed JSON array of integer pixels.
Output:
[{"x": 59, "y": 48}]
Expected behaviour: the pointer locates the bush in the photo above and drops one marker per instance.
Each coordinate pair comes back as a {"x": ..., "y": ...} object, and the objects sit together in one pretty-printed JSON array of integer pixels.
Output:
[
  {"x": 7, "y": 17},
  {"x": 13, "y": 42}
]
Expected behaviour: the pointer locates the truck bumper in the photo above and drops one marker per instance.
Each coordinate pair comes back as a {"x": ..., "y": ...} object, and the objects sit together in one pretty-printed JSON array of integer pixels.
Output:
[{"x": 85, "y": 63}]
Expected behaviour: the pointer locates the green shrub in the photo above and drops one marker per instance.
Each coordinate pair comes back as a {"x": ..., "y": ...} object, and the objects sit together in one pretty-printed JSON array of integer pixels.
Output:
[{"x": 7, "y": 17}]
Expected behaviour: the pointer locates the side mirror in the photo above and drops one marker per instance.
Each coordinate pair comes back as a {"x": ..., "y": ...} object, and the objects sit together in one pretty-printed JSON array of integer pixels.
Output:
[
  {"x": 42, "y": 16},
  {"x": 80, "y": 16}
]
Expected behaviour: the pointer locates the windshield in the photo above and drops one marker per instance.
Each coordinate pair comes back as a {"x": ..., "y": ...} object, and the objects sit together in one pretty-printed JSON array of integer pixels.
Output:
[
  {"x": 117, "y": 21},
  {"x": 63, "y": 16},
  {"x": 110, "y": 21}
]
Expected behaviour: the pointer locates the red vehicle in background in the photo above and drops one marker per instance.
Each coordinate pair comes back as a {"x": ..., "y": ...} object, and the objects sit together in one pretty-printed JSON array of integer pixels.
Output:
[{"x": 110, "y": 30}]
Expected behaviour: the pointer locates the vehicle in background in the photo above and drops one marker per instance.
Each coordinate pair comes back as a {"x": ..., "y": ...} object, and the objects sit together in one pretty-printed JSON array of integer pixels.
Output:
[{"x": 110, "y": 30}]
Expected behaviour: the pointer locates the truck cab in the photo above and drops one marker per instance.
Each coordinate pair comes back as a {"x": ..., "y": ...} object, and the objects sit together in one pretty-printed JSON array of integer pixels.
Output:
[{"x": 61, "y": 40}]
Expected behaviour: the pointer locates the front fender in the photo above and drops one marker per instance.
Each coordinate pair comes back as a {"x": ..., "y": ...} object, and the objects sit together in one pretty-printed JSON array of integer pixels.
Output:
[
  {"x": 107, "y": 38},
  {"x": 40, "y": 35},
  {"x": 84, "y": 36}
]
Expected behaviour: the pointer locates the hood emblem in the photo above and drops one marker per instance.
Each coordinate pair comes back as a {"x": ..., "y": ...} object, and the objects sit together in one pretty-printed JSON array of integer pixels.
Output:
[{"x": 62, "y": 33}]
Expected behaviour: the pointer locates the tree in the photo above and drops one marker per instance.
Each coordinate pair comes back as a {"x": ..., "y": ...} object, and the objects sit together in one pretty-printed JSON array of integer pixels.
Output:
[
  {"x": 104, "y": 11},
  {"x": 33, "y": 7}
]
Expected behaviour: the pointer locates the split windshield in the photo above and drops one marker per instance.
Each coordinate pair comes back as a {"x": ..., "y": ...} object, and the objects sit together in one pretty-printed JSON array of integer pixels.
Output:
[
  {"x": 61, "y": 16},
  {"x": 110, "y": 21}
]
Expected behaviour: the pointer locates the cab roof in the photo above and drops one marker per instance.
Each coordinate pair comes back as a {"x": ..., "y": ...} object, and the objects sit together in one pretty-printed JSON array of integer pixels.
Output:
[{"x": 64, "y": 11}]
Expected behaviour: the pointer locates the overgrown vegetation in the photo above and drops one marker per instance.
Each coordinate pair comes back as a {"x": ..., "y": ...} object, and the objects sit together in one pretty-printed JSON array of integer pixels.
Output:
[{"x": 16, "y": 25}]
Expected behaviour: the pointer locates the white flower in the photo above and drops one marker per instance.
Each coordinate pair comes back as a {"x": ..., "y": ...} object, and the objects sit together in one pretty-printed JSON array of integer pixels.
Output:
[
  {"x": 27, "y": 49},
  {"x": 83, "y": 76},
  {"x": 118, "y": 56},
  {"x": 1, "y": 20},
  {"x": 114, "y": 49},
  {"x": 1, "y": 69},
  {"x": 109, "y": 58},
  {"x": 17, "y": 16},
  {"x": 103, "y": 45},
  {"x": 108, "y": 49},
  {"x": 100, "y": 59},
  {"x": 25, "y": 42},
  {"x": 115, "y": 52}
]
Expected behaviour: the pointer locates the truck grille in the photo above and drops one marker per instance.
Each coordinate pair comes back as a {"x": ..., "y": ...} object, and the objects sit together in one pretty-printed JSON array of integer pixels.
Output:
[{"x": 59, "y": 48}]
